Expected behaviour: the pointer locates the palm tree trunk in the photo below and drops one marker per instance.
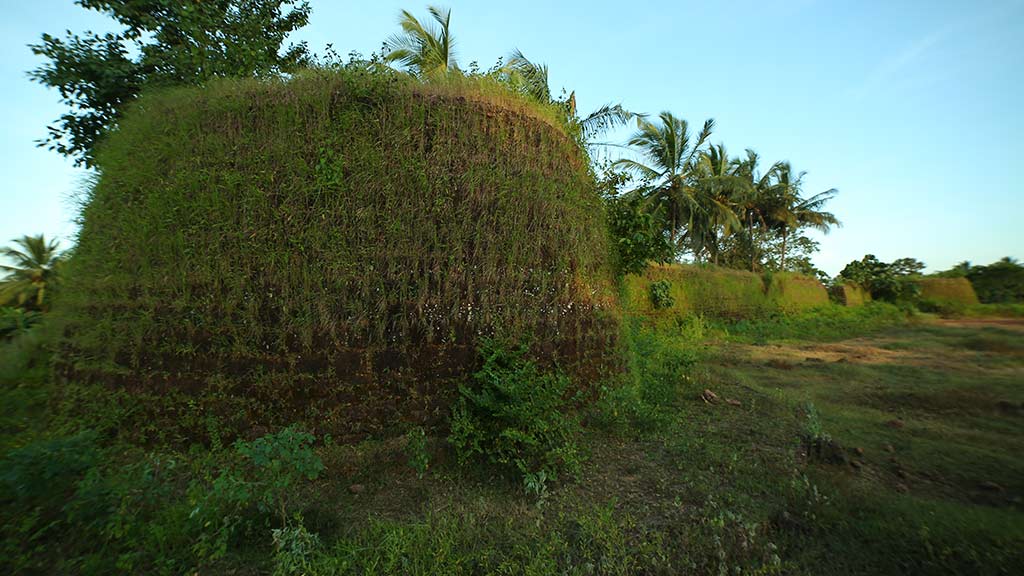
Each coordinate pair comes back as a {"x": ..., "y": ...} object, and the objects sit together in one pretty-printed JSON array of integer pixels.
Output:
[
  {"x": 782, "y": 259},
  {"x": 672, "y": 236},
  {"x": 750, "y": 234}
]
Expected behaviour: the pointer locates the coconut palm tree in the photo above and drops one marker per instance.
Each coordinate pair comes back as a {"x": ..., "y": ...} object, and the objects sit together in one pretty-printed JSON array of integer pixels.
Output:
[
  {"x": 722, "y": 189},
  {"x": 32, "y": 272},
  {"x": 427, "y": 51},
  {"x": 796, "y": 212},
  {"x": 760, "y": 200},
  {"x": 531, "y": 78},
  {"x": 668, "y": 167}
]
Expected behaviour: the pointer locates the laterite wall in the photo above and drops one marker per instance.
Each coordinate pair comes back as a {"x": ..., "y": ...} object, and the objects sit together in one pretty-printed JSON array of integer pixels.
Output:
[
  {"x": 850, "y": 294},
  {"x": 331, "y": 249},
  {"x": 947, "y": 291}
]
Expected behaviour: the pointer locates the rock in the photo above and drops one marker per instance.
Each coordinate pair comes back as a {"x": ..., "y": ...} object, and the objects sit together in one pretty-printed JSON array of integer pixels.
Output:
[
  {"x": 990, "y": 486},
  {"x": 896, "y": 423},
  {"x": 826, "y": 450},
  {"x": 1007, "y": 407},
  {"x": 859, "y": 451},
  {"x": 732, "y": 402},
  {"x": 356, "y": 488},
  {"x": 857, "y": 464},
  {"x": 709, "y": 396}
]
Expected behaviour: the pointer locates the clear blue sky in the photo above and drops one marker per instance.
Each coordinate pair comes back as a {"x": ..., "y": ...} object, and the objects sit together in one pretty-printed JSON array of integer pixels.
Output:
[{"x": 912, "y": 109}]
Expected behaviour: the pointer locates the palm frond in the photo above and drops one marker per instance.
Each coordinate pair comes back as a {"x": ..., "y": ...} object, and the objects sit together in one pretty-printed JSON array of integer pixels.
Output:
[{"x": 605, "y": 118}]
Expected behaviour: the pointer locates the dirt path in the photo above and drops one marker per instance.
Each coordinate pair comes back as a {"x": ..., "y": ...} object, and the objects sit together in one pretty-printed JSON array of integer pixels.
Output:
[
  {"x": 948, "y": 350},
  {"x": 1014, "y": 324}
]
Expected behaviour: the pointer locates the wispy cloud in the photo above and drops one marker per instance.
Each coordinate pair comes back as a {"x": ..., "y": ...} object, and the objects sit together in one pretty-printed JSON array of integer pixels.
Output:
[
  {"x": 895, "y": 64},
  {"x": 899, "y": 62}
]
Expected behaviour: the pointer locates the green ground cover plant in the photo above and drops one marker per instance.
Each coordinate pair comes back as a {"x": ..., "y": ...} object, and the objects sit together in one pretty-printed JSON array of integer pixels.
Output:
[
  {"x": 829, "y": 322},
  {"x": 922, "y": 474}
]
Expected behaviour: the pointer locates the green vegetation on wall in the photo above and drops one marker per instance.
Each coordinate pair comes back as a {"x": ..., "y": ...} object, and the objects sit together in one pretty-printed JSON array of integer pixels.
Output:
[
  {"x": 850, "y": 294},
  {"x": 301, "y": 249},
  {"x": 792, "y": 292},
  {"x": 719, "y": 292},
  {"x": 943, "y": 293}
]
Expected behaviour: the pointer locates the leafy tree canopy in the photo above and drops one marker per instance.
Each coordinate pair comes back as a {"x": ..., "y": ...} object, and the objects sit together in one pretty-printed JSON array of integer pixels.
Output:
[
  {"x": 637, "y": 233},
  {"x": 999, "y": 282},
  {"x": 162, "y": 43},
  {"x": 885, "y": 281}
]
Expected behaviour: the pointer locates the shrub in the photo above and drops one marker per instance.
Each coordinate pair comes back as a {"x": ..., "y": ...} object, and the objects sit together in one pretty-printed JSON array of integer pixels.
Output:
[
  {"x": 637, "y": 235},
  {"x": 15, "y": 321},
  {"x": 265, "y": 474},
  {"x": 67, "y": 507},
  {"x": 661, "y": 295},
  {"x": 516, "y": 416},
  {"x": 39, "y": 479},
  {"x": 276, "y": 464},
  {"x": 26, "y": 356}
]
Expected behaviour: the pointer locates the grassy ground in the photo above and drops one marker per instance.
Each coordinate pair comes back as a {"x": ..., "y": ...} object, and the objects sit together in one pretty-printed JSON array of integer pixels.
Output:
[{"x": 894, "y": 452}]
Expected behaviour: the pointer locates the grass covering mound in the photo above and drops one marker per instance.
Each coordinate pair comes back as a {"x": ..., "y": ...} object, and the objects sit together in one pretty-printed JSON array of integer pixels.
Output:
[
  {"x": 331, "y": 249},
  {"x": 850, "y": 294},
  {"x": 947, "y": 293},
  {"x": 719, "y": 292}
]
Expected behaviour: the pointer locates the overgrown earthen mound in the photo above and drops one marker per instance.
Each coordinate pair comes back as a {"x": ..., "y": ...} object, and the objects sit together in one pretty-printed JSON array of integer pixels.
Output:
[{"x": 331, "y": 249}]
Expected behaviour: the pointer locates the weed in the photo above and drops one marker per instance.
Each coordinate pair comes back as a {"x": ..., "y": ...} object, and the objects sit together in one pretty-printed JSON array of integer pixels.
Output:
[
  {"x": 536, "y": 484},
  {"x": 295, "y": 549},
  {"x": 416, "y": 450},
  {"x": 813, "y": 430}
]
